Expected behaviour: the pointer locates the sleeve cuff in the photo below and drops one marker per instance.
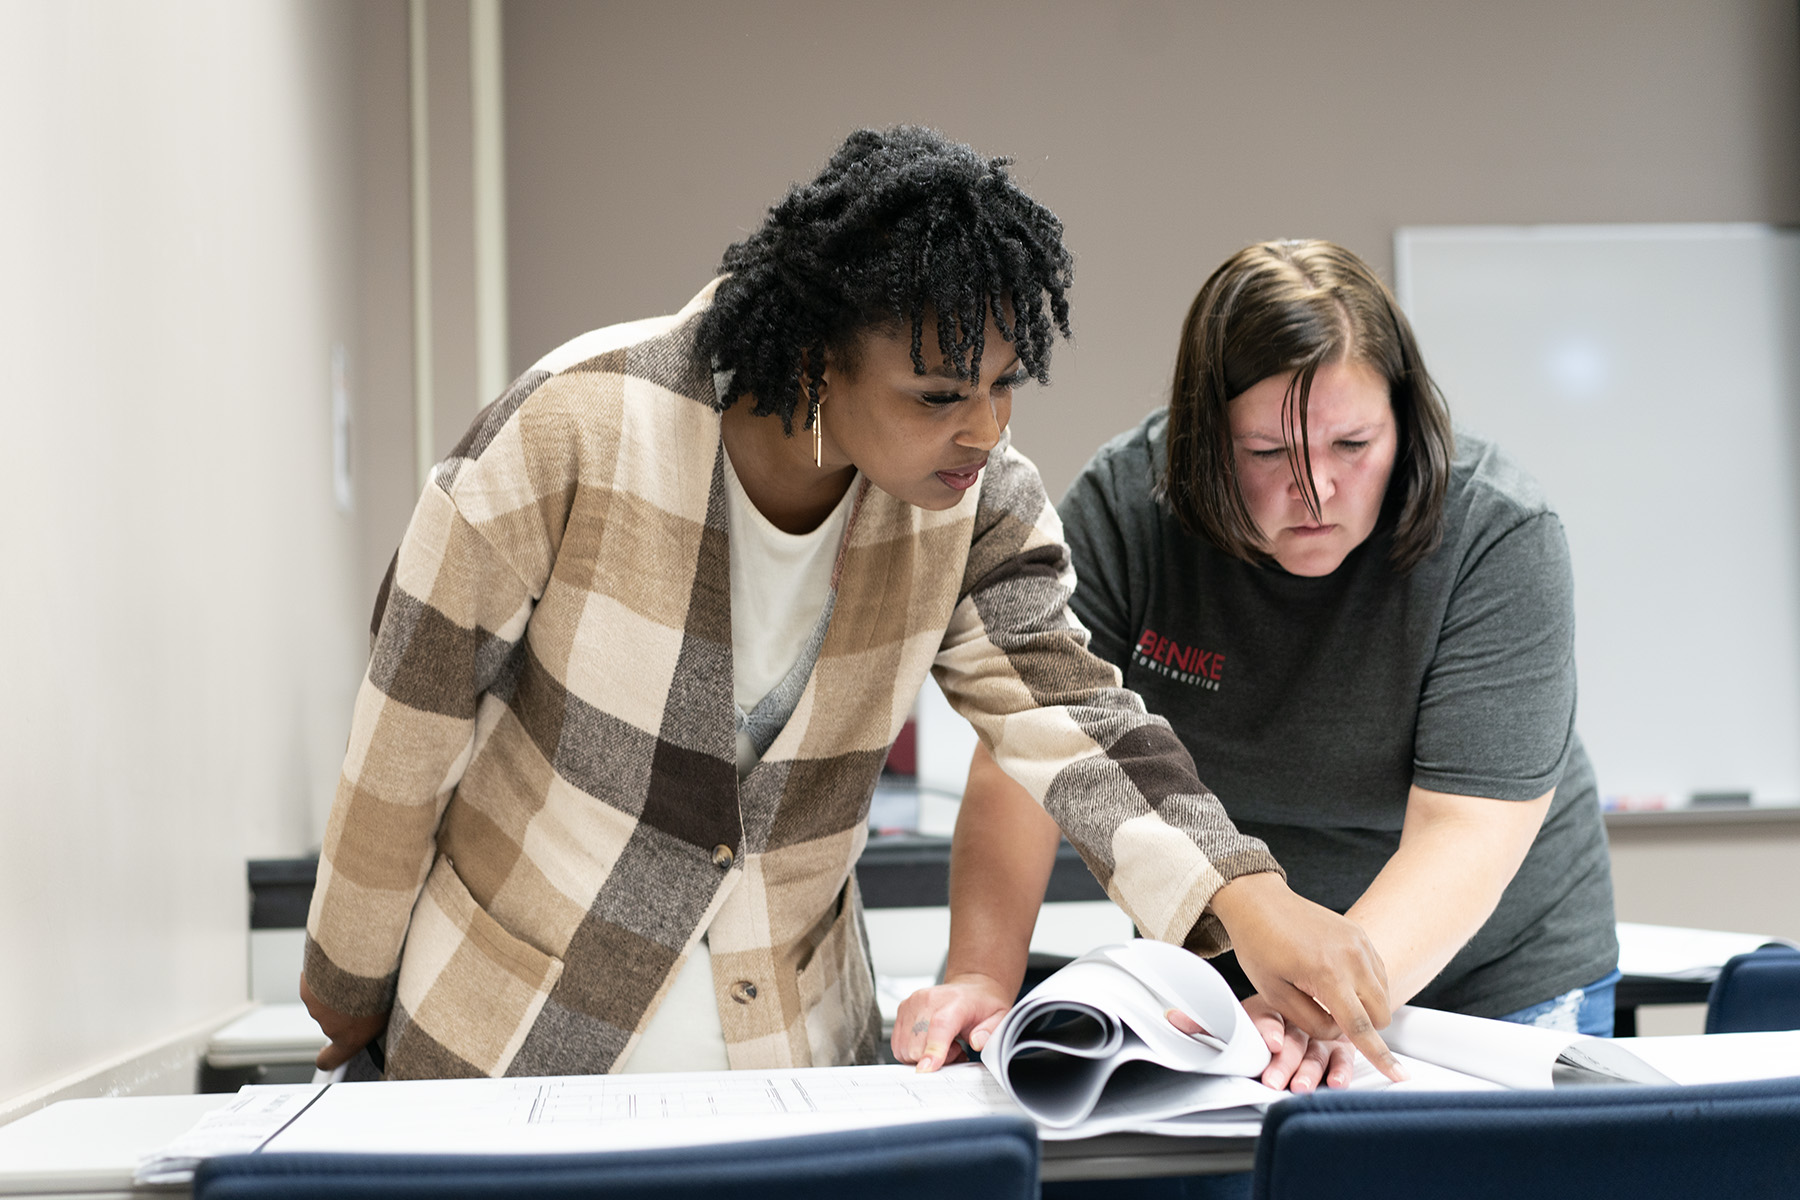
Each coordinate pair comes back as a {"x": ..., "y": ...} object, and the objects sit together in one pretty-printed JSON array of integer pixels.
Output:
[
  {"x": 352, "y": 995},
  {"x": 1489, "y": 787},
  {"x": 1208, "y": 936}
]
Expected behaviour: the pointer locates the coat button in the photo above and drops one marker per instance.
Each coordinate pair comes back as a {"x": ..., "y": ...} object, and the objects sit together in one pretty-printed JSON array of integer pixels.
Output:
[
  {"x": 743, "y": 991},
  {"x": 722, "y": 856}
]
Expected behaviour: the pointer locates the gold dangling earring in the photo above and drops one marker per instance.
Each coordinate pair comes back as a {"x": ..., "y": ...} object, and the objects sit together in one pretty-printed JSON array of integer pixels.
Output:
[{"x": 818, "y": 438}]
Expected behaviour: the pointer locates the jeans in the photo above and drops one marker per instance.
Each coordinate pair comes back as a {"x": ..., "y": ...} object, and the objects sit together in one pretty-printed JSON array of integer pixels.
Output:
[{"x": 1586, "y": 1010}]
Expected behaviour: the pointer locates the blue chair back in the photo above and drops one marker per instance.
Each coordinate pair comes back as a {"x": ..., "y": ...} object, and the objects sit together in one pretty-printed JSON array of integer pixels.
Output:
[
  {"x": 1648, "y": 1143},
  {"x": 1755, "y": 992},
  {"x": 978, "y": 1158}
]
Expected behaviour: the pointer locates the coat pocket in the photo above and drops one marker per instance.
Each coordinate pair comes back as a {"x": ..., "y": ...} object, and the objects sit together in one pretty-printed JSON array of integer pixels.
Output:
[
  {"x": 468, "y": 991},
  {"x": 837, "y": 990}
]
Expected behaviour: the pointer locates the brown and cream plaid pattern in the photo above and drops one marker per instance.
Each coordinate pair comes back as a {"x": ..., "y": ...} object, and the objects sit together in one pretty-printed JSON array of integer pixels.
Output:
[{"x": 540, "y": 815}]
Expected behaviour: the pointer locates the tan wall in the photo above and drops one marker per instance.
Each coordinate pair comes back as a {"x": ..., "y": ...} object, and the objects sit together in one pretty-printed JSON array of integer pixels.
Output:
[
  {"x": 1727, "y": 875},
  {"x": 177, "y": 583},
  {"x": 643, "y": 138}
]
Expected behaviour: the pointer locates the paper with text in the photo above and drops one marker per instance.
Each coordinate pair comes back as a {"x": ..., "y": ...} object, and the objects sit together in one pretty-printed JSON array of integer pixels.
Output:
[
  {"x": 242, "y": 1126},
  {"x": 619, "y": 1112}
]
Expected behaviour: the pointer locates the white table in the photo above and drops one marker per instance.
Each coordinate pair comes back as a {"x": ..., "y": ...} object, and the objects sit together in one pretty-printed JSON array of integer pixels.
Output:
[{"x": 88, "y": 1149}]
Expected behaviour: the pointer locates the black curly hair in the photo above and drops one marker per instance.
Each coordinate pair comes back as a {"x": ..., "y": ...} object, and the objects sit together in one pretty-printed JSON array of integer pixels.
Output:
[{"x": 900, "y": 222}]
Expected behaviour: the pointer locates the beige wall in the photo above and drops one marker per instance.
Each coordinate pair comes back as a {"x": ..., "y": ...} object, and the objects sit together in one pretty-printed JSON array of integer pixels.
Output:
[
  {"x": 643, "y": 138},
  {"x": 1727, "y": 874},
  {"x": 178, "y": 586}
]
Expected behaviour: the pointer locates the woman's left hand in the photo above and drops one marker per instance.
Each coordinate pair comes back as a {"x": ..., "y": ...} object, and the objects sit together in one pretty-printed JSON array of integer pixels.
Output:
[{"x": 1299, "y": 1062}]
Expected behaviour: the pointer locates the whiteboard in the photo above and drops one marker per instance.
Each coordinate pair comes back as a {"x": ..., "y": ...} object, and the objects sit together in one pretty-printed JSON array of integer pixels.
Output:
[{"x": 1646, "y": 375}]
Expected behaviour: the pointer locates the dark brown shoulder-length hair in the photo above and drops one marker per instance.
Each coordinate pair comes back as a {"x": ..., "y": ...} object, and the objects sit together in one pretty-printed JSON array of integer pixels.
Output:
[{"x": 1289, "y": 308}]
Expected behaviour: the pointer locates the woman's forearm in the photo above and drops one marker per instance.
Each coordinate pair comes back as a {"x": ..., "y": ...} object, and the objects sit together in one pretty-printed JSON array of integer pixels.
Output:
[
  {"x": 1456, "y": 856},
  {"x": 1002, "y": 854},
  {"x": 1005, "y": 848}
]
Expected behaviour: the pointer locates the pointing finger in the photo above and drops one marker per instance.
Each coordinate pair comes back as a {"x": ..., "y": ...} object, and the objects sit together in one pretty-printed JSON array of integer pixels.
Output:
[{"x": 1360, "y": 1030}]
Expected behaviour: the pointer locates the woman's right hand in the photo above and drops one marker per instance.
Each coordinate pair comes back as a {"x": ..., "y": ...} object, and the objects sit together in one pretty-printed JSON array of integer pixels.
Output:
[
  {"x": 348, "y": 1034},
  {"x": 932, "y": 1019},
  {"x": 1317, "y": 969}
]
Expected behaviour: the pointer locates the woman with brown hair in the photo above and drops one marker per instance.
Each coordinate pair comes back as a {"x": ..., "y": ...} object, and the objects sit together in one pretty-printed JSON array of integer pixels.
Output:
[{"x": 1362, "y": 629}]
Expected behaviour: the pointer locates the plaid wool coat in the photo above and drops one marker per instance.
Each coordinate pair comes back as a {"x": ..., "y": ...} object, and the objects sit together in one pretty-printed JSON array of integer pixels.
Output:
[{"x": 540, "y": 814}]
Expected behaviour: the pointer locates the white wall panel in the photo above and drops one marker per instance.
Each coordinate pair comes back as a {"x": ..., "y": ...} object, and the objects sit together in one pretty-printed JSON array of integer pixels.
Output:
[
  {"x": 182, "y": 625},
  {"x": 1649, "y": 377}
]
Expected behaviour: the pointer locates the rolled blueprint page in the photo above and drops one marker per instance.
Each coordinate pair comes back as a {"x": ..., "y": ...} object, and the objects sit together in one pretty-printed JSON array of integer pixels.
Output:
[{"x": 1091, "y": 1050}]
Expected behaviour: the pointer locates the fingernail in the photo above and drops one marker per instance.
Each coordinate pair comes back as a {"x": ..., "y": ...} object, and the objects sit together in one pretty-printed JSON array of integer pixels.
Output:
[
  {"x": 977, "y": 1040},
  {"x": 924, "y": 1066},
  {"x": 1400, "y": 1070},
  {"x": 1301, "y": 1087}
]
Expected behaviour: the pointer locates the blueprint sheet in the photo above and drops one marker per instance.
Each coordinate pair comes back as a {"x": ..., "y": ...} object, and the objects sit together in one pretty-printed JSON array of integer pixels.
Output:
[{"x": 614, "y": 1112}]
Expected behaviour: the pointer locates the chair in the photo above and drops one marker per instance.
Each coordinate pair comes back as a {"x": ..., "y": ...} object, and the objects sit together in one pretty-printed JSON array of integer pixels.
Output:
[
  {"x": 976, "y": 1158},
  {"x": 1756, "y": 991},
  {"x": 1648, "y": 1143}
]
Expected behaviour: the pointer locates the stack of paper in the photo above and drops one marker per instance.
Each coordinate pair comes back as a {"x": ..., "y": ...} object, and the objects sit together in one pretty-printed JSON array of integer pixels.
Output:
[
  {"x": 1088, "y": 1052},
  {"x": 587, "y": 1113},
  {"x": 246, "y": 1124},
  {"x": 1091, "y": 1051},
  {"x": 573, "y": 1113}
]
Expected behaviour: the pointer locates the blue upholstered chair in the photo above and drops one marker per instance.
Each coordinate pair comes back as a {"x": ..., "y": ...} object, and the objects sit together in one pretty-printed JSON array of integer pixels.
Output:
[
  {"x": 1733, "y": 1139},
  {"x": 976, "y": 1158},
  {"x": 1756, "y": 991}
]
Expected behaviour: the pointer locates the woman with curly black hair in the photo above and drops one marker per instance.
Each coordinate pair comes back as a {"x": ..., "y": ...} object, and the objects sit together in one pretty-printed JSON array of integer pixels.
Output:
[{"x": 657, "y": 619}]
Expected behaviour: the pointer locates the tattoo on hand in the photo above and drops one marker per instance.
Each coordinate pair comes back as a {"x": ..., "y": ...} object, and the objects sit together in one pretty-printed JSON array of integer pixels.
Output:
[{"x": 921, "y": 1026}]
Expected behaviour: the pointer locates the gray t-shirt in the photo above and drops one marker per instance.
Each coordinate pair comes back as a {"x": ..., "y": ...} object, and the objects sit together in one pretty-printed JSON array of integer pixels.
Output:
[{"x": 1311, "y": 705}]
